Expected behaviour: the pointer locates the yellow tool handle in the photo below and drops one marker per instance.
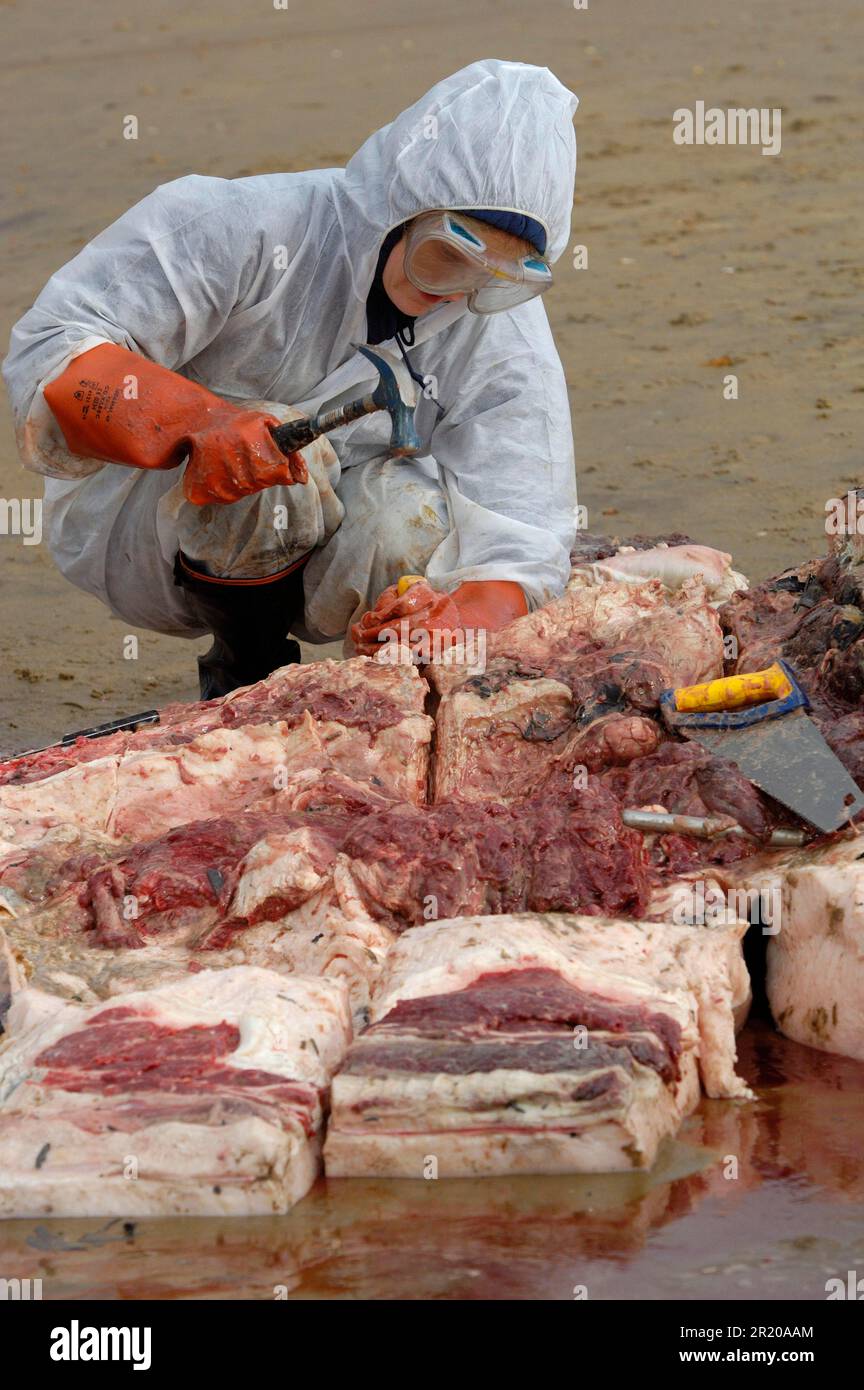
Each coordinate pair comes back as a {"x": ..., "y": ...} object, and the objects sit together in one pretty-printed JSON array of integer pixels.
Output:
[
  {"x": 734, "y": 692},
  {"x": 407, "y": 582}
]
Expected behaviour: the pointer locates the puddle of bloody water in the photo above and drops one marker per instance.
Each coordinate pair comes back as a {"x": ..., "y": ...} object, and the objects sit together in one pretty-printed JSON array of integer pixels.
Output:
[{"x": 753, "y": 1201}]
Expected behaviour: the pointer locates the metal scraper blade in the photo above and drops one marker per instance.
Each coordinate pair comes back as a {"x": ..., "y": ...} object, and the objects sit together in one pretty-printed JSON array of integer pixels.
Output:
[{"x": 789, "y": 759}]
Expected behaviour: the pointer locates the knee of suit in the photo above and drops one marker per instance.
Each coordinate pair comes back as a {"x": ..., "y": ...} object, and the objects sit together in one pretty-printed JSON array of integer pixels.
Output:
[{"x": 403, "y": 535}]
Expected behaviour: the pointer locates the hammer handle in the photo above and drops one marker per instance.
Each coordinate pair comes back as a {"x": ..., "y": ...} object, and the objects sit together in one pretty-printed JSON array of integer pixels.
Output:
[{"x": 296, "y": 434}]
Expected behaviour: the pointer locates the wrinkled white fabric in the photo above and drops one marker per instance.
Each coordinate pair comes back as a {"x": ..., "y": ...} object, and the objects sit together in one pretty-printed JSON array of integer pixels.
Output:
[
  {"x": 263, "y": 533},
  {"x": 257, "y": 288},
  {"x": 396, "y": 517}
]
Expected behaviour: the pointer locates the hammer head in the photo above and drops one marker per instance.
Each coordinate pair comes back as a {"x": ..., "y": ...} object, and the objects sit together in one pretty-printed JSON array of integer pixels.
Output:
[{"x": 396, "y": 393}]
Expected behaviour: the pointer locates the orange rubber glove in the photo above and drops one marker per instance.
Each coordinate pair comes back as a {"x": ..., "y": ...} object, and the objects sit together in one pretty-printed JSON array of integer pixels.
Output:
[
  {"x": 231, "y": 450},
  {"x": 487, "y": 604},
  {"x": 490, "y": 603}
]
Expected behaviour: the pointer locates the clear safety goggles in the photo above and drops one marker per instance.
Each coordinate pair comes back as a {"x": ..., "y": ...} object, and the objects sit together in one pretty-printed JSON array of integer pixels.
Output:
[{"x": 445, "y": 253}]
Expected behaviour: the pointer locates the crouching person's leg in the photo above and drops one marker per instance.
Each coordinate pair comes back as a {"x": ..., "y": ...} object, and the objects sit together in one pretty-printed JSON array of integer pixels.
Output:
[
  {"x": 129, "y": 537},
  {"x": 249, "y": 620},
  {"x": 241, "y": 566},
  {"x": 231, "y": 582},
  {"x": 105, "y": 536},
  {"x": 396, "y": 516}
]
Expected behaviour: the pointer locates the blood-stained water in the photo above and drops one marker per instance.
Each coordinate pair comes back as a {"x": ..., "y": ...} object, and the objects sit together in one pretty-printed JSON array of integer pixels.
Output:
[{"x": 751, "y": 1201}]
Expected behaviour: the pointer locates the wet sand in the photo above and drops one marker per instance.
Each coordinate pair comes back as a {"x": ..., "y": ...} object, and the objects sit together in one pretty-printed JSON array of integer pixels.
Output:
[
  {"x": 694, "y": 254},
  {"x": 787, "y": 1221}
]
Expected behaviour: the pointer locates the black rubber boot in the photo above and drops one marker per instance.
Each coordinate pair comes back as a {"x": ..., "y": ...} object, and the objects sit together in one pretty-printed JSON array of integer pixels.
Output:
[{"x": 249, "y": 620}]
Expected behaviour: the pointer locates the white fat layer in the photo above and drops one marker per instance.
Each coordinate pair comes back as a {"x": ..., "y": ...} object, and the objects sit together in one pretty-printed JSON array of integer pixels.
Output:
[
  {"x": 688, "y": 973},
  {"x": 294, "y": 1026}
]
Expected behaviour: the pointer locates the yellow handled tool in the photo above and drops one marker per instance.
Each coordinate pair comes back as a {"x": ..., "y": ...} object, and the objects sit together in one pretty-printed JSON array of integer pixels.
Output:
[
  {"x": 734, "y": 692},
  {"x": 759, "y": 721}
]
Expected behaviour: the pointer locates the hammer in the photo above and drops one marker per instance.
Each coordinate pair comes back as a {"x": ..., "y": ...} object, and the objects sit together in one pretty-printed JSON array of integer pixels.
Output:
[{"x": 395, "y": 393}]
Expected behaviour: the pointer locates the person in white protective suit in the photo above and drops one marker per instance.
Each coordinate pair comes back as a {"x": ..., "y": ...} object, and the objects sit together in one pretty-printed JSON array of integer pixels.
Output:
[{"x": 147, "y": 376}]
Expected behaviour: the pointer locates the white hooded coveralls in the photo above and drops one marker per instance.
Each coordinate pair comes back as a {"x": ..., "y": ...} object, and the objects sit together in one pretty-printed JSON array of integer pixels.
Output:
[{"x": 257, "y": 289}]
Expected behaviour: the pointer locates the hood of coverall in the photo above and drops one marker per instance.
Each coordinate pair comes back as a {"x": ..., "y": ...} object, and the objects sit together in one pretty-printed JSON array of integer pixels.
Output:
[{"x": 495, "y": 135}]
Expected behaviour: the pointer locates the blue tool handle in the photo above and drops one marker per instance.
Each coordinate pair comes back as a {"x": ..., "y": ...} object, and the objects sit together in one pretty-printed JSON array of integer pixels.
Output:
[{"x": 738, "y": 718}]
